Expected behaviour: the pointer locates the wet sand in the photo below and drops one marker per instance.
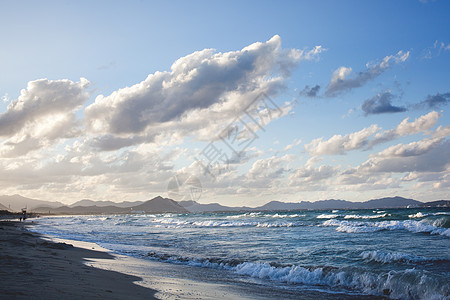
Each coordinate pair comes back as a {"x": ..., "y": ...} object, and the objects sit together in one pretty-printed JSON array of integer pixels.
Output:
[{"x": 32, "y": 267}]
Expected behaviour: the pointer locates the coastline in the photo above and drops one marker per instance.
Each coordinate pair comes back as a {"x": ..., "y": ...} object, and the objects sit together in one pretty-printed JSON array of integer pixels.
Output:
[
  {"x": 35, "y": 266},
  {"x": 32, "y": 266},
  {"x": 39, "y": 266}
]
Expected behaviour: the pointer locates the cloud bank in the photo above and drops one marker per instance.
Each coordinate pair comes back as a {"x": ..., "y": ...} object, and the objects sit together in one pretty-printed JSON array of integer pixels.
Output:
[{"x": 369, "y": 137}]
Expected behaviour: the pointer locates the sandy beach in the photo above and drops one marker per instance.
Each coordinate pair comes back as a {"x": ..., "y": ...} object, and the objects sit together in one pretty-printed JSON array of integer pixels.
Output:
[{"x": 32, "y": 267}]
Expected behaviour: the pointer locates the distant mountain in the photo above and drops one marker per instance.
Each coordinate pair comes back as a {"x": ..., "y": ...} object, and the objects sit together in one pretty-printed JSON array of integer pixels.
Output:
[
  {"x": 277, "y": 205},
  {"x": 155, "y": 205},
  {"x": 390, "y": 202},
  {"x": 88, "y": 202},
  {"x": 163, "y": 205},
  {"x": 321, "y": 204},
  {"x": 18, "y": 202},
  {"x": 2, "y": 207},
  {"x": 438, "y": 203},
  {"x": 79, "y": 210},
  {"x": 195, "y": 207},
  {"x": 160, "y": 205}
]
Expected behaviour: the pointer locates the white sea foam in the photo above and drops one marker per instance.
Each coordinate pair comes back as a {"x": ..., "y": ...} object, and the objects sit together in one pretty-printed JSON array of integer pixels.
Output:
[
  {"x": 387, "y": 257},
  {"x": 357, "y": 229},
  {"x": 327, "y": 216},
  {"x": 410, "y": 225},
  {"x": 276, "y": 224},
  {"x": 418, "y": 215},
  {"x": 287, "y": 216},
  {"x": 213, "y": 223},
  {"x": 246, "y": 215},
  {"x": 442, "y": 213},
  {"x": 174, "y": 223},
  {"x": 407, "y": 284},
  {"x": 364, "y": 216}
]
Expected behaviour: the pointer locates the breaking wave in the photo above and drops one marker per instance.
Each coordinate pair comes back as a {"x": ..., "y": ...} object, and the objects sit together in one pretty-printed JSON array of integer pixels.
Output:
[
  {"x": 388, "y": 257},
  {"x": 365, "y": 217},
  {"x": 418, "y": 215},
  {"x": 175, "y": 223},
  {"x": 327, "y": 216},
  {"x": 364, "y": 227},
  {"x": 407, "y": 284}
]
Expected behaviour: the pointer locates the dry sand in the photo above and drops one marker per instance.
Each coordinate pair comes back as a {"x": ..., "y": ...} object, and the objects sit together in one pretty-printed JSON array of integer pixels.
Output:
[{"x": 35, "y": 268}]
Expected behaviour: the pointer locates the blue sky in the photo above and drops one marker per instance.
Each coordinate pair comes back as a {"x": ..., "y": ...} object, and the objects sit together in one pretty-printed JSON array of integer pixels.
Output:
[{"x": 363, "y": 87}]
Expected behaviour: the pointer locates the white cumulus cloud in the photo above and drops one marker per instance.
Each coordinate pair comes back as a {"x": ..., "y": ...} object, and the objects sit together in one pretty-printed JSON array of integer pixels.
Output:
[
  {"x": 201, "y": 92},
  {"x": 44, "y": 112}
]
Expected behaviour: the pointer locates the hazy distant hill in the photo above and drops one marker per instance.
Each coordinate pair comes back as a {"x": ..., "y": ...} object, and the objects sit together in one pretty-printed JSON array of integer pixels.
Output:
[
  {"x": 18, "y": 202},
  {"x": 155, "y": 205},
  {"x": 79, "y": 210},
  {"x": 389, "y": 202},
  {"x": 438, "y": 203},
  {"x": 194, "y": 207},
  {"x": 160, "y": 205},
  {"x": 88, "y": 202},
  {"x": 278, "y": 205},
  {"x": 2, "y": 207},
  {"x": 321, "y": 204},
  {"x": 163, "y": 205}
]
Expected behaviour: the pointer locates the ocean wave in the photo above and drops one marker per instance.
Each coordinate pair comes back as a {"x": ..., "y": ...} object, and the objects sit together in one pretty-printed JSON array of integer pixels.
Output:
[
  {"x": 246, "y": 215},
  {"x": 417, "y": 215},
  {"x": 365, "y": 217},
  {"x": 290, "y": 224},
  {"x": 388, "y": 257},
  {"x": 327, "y": 216},
  {"x": 260, "y": 215},
  {"x": 443, "y": 222},
  {"x": 174, "y": 223},
  {"x": 406, "y": 284},
  {"x": 364, "y": 227},
  {"x": 213, "y": 223},
  {"x": 442, "y": 213},
  {"x": 286, "y": 216}
]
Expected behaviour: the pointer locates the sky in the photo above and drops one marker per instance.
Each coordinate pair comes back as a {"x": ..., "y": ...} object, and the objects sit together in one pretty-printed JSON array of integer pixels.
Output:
[{"x": 237, "y": 102}]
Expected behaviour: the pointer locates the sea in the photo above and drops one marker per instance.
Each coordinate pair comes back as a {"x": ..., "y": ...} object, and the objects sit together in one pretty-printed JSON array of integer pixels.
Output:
[{"x": 389, "y": 253}]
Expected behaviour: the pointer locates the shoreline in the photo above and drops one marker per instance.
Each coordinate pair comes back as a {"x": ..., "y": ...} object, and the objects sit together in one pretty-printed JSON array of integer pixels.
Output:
[{"x": 34, "y": 267}]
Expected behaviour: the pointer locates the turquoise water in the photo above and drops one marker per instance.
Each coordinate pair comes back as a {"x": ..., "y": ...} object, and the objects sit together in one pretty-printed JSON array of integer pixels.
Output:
[{"x": 395, "y": 253}]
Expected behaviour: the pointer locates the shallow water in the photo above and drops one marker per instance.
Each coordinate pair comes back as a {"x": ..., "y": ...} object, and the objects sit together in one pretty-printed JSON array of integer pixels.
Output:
[{"x": 397, "y": 253}]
